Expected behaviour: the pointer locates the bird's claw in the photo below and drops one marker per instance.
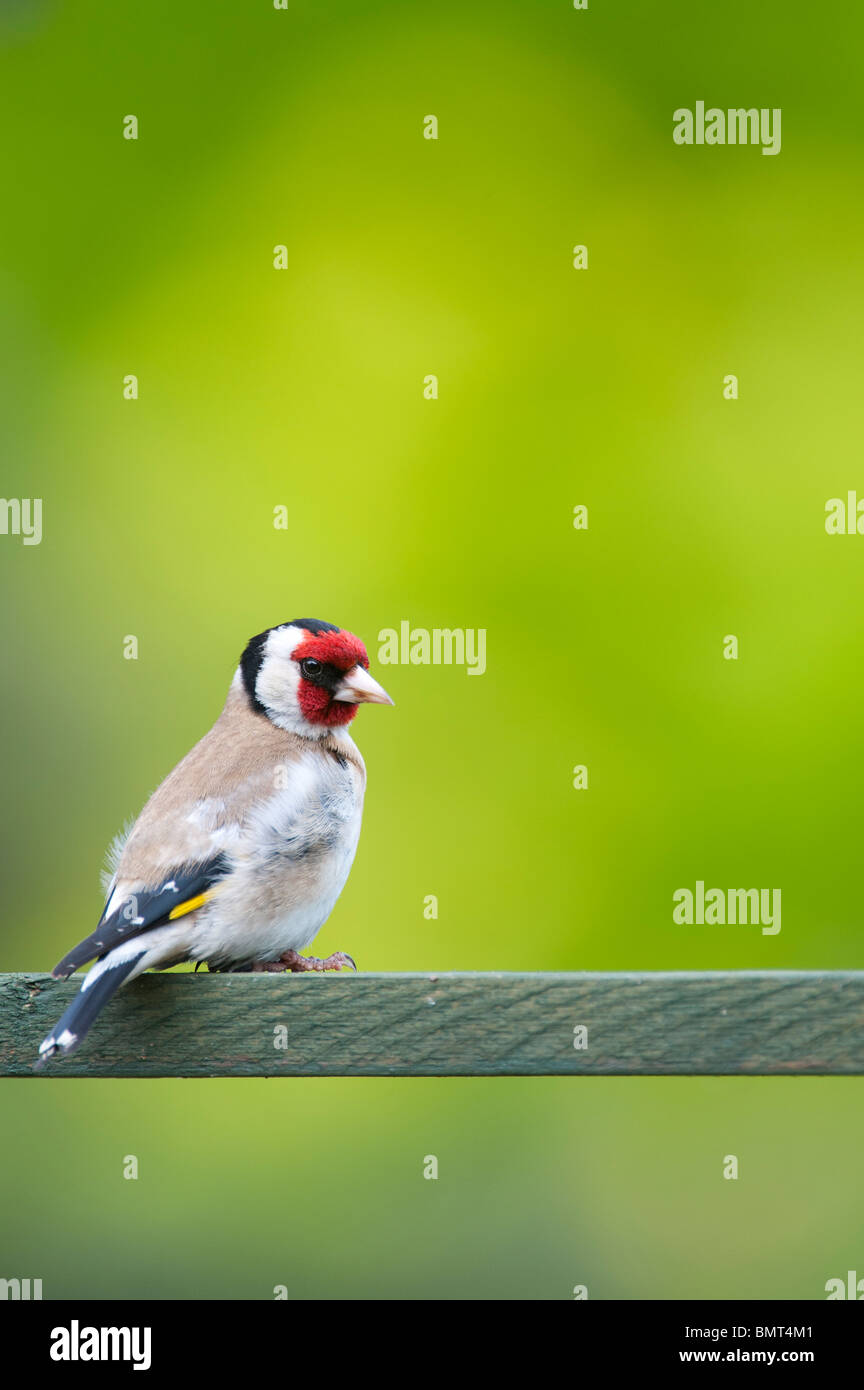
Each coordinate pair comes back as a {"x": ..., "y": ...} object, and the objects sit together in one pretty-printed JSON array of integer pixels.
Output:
[{"x": 298, "y": 964}]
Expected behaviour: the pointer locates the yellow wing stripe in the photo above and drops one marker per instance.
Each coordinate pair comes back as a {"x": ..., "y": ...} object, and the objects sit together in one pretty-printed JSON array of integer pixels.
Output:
[{"x": 189, "y": 906}]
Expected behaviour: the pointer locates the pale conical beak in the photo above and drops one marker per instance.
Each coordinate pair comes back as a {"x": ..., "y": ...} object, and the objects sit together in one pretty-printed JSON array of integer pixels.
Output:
[{"x": 358, "y": 688}]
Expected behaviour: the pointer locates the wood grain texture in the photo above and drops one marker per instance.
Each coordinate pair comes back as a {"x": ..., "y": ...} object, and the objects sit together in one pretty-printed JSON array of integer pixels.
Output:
[{"x": 743, "y": 1023}]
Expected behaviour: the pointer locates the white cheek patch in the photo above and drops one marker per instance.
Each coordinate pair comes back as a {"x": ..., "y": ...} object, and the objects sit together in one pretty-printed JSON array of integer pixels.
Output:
[{"x": 278, "y": 681}]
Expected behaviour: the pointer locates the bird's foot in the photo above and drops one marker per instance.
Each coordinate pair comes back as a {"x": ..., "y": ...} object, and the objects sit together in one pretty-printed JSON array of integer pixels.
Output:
[{"x": 297, "y": 964}]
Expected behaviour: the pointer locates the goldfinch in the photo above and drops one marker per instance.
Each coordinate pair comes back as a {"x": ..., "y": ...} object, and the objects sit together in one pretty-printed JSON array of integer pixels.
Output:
[{"x": 239, "y": 856}]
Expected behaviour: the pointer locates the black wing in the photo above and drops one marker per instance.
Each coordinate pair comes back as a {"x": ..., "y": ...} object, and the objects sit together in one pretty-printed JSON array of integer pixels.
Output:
[{"x": 145, "y": 909}]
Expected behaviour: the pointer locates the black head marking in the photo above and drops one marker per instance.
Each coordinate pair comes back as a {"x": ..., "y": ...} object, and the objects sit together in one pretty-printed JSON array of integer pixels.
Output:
[
  {"x": 253, "y": 656},
  {"x": 250, "y": 665},
  {"x": 315, "y": 625},
  {"x": 327, "y": 676}
]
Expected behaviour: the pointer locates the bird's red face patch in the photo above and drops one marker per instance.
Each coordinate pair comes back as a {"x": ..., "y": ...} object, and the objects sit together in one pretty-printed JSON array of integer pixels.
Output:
[
  {"x": 337, "y": 653},
  {"x": 340, "y": 649}
]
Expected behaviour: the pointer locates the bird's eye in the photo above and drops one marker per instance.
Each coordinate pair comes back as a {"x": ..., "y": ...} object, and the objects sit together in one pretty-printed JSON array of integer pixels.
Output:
[{"x": 310, "y": 667}]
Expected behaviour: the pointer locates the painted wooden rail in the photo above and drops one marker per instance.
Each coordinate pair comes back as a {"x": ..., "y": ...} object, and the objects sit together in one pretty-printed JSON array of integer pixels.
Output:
[{"x": 743, "y": 1023}]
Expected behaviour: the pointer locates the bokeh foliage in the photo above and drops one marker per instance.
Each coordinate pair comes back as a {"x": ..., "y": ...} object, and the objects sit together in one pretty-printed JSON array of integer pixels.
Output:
[{"x": 304, "y": 388}]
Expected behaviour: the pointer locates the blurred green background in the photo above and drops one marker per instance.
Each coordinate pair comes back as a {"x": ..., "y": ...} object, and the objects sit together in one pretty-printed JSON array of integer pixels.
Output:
[{"x": 304, "y": 388}]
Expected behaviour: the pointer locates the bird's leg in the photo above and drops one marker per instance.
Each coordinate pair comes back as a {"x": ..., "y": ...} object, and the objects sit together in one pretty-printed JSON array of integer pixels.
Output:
[{"x": 296, "y": 963}]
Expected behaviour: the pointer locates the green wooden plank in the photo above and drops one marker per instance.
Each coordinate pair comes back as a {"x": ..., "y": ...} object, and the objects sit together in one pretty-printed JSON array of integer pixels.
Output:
[{"x": 743, "y": 1023}]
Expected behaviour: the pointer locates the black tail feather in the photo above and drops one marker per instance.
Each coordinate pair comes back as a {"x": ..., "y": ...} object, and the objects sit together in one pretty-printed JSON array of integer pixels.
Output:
[
  {"x": 147, "y": 908},
  {"x": 76, "y": 1022}
]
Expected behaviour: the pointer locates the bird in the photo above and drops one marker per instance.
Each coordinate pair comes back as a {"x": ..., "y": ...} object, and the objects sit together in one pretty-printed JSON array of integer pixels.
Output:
[{"x": 239, "y": 856}]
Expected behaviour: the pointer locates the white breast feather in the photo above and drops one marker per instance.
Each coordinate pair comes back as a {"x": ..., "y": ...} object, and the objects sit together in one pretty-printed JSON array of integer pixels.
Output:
[{"x": 290, "y": 863}]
